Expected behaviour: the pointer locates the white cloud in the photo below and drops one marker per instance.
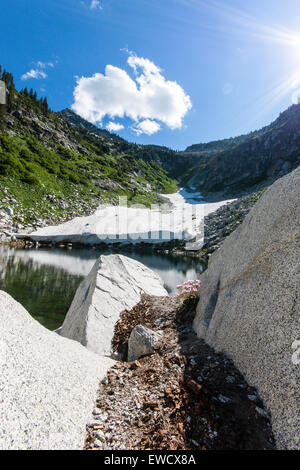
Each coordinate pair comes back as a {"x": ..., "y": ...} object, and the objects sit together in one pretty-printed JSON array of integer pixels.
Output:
[
  {"x": 114, "y": 126},
  {"x": 44, "y": 65},
  {"x": 96, "y": 5},
  {"x": 146, "y": 127},
  {"x": 34, "y": 73},
  {"x": 38, "y": 72},
  {"x": 147, "y": 96},
  {"x": 227, "y": 89}
]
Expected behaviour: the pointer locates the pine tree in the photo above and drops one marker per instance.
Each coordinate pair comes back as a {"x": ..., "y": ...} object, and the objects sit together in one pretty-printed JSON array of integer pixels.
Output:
[{"x": 45, "y": 107}]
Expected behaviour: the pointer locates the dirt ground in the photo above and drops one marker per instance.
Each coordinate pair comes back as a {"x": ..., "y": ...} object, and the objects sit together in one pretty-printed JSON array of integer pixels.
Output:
[{"x": 184, "y": 396}]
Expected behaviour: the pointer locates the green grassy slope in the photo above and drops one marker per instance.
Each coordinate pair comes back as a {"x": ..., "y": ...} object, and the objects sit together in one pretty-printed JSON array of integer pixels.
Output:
[{"x": 53, "y": 170}]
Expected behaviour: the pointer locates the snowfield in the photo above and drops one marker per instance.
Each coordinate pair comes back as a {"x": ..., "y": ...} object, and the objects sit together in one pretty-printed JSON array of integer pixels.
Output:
[{"x": 184, "y": 220}]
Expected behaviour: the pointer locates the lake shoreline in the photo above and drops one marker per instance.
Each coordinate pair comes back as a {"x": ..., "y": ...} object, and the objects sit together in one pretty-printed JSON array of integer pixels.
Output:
[
  {"x": 180, "y": 220},
  {"x": 218, "y": 225}
]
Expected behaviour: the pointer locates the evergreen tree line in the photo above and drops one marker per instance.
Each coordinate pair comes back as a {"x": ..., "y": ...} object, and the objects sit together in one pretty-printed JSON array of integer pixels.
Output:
[{"x": 14, "y": 99}]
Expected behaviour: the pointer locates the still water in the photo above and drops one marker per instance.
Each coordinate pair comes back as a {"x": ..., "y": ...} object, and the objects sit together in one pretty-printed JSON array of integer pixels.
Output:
[{"x": 45, "y": 280}]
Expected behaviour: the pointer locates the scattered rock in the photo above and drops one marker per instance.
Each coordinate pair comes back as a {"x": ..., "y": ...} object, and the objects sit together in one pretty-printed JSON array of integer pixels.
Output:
[
  {"x": 9, "y": 211},
  {"x": 159, "y": 403},
  {"x": 142, "y": 342}
]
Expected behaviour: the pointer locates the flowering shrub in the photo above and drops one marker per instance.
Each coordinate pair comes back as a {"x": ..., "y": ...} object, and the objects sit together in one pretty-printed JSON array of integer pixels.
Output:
[{"x": 188, "y": 290}]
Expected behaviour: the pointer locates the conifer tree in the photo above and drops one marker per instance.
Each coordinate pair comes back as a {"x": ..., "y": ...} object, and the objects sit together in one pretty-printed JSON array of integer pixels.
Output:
[{"x": 45, "y": 106}]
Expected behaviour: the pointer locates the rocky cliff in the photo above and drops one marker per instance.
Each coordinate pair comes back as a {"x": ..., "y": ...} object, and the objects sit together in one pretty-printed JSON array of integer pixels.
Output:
[
  {"x": 236, "y": 165},
  {"x": 249, "y": 303}
]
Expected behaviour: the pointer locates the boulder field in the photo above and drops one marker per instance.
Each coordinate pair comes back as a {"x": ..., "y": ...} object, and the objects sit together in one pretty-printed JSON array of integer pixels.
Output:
[{"x": 249, "y": 303}]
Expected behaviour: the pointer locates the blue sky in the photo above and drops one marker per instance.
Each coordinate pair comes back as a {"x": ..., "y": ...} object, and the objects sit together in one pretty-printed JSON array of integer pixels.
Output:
[{"x": 167, "y": 72}]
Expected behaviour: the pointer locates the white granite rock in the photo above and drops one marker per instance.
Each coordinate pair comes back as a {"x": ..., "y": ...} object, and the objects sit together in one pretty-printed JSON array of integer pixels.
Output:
[
  {"x": 48, "y": 384},
  {"x": 249, "y": 303},
  {"x": 114, "y": 284}
]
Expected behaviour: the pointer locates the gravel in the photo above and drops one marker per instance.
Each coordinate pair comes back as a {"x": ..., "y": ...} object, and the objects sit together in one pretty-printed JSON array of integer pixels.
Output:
[{"x": 168, "y": 399}]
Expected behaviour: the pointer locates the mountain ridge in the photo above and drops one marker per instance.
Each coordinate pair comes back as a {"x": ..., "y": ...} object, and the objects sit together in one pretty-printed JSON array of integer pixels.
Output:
[
  {"x": 228, "y": 167},
  {"x": 58, "y": 165},
  {"x": 52, "y": 171},
  {"x": 232, "y": 165}
]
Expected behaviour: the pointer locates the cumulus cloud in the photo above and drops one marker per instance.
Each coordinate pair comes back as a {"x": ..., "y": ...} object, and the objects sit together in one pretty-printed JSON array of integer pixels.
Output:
[
  {"x": 146, "y": 127},
  {"x": 38, "y": 72},
  {"x": 114, "y": 126},
  {"x": 146, "y": 98},
  {"x": 96, "y": 5},
  {"x": 34, "y": 73},
  {"x": 44, "y": 65}
]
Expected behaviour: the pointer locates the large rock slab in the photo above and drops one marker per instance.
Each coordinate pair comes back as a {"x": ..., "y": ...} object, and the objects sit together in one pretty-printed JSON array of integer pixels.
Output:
[
  {"x": 48, "y": 384},
  {"x": 249, "y": 303},
  {"x": 114, "y": 284}
]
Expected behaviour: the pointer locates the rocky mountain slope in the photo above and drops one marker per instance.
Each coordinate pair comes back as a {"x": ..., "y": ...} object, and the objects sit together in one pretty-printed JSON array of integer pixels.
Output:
[
  {"x": 234, "y": 166},
  {"x": 229, "y": 167},
  {"x": 56, "y": 166},
  {"x": 52, "y": 170}
]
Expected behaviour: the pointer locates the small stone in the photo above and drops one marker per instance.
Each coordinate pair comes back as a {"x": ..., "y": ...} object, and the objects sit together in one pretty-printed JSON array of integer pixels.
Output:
[
  {"x": 223, "y": 399},
  {"x": 100, "y": 435},
  {"x": 196, "y": 444},
  {"x": 252, "y": 397},
  {"x": 98, "y": 443},
  {"x": 105, "y": 380},
  {"x": 9, "y": 211},
  {"x": 91, "y": 424},
  {"x": 262, "y": 412},
  {"x": 104, "y": 416},
  {"x": 230, "y": 379}
]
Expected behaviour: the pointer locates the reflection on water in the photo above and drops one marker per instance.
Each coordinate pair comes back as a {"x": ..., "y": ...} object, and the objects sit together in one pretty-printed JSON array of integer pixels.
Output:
[{"x": 44, "y": 281}]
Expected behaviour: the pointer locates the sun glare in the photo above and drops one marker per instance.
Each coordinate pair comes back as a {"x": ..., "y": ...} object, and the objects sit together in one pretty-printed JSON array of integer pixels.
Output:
[{"x": 236, "y": 21}]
